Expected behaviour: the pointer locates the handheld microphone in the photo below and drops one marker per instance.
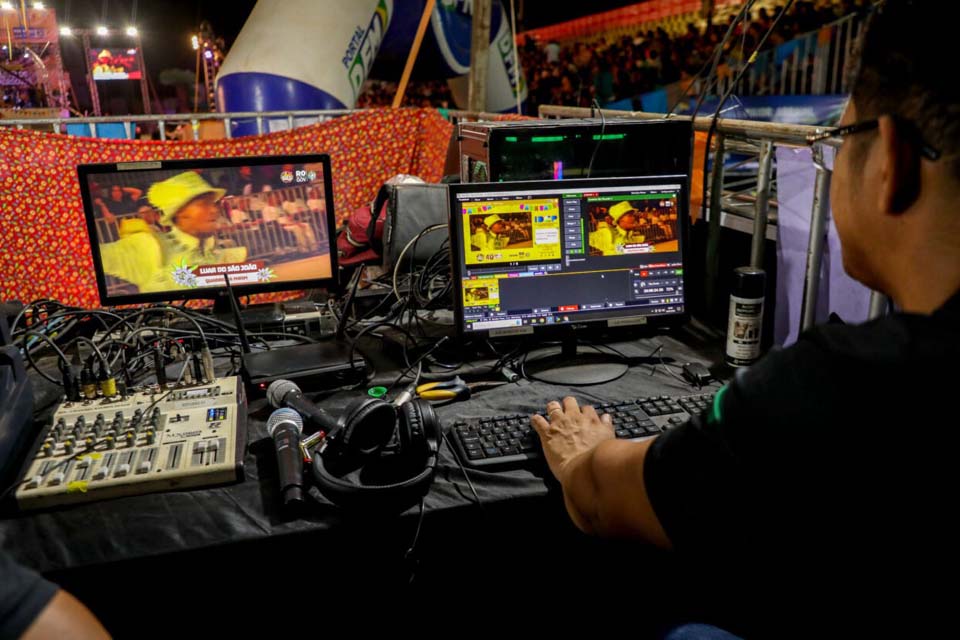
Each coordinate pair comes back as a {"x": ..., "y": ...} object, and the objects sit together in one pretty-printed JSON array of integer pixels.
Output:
[
  {"x": 285, "y": 426},
  {"x": 284, "y": 393}
]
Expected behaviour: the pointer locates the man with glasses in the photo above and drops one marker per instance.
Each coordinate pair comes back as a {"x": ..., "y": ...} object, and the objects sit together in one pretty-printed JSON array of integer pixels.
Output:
[{"x": 814, "y": 498}]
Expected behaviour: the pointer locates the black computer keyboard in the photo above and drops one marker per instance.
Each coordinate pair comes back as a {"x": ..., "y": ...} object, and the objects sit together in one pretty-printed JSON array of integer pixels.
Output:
[{"x": 509, "y": 441}]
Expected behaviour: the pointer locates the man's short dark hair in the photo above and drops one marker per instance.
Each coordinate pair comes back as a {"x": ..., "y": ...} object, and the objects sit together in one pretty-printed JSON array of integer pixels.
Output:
[{"x": 905, "y": 68}]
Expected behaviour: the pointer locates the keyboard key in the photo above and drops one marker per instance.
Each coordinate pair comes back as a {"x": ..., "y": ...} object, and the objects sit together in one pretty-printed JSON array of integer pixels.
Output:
[{"x": 491, "y": 440}]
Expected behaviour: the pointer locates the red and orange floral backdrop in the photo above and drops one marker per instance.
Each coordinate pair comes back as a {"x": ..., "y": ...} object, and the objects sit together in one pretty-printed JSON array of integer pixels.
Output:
[{"x": 44, "y": 247}]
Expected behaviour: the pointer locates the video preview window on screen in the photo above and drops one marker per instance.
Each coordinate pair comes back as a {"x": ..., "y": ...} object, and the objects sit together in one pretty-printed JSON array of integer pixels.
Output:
[{"x": 177, "y": 230}]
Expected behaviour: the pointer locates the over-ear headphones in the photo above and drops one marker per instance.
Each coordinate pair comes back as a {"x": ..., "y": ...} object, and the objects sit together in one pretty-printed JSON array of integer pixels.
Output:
[{"x": 380, "y": 456}]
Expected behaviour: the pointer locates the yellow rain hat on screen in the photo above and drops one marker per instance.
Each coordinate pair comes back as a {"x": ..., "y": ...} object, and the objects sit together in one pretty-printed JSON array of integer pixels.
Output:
[
  {"x": 492, "y": 220},
  {"x": 174, "y": 193},
  {"x": 618, "y": 210}
]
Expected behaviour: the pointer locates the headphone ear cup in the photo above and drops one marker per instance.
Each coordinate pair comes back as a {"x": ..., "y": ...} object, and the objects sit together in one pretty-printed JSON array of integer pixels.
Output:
[
  {"x": 367, "y": 427},
  {"x": 419, "y": 427},
  {"x": 432, "y": 429},
  {"x": 408, "y": 419}
]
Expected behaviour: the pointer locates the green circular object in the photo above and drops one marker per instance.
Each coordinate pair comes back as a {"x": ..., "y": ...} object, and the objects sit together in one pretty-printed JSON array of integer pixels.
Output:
[{"x": 377, "y": 392}]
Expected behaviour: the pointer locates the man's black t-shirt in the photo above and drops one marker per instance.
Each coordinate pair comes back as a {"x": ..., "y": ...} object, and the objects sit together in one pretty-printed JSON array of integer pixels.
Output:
[
  {"x": 816, "y": 492},
  {"x": 23, "y": 595}
]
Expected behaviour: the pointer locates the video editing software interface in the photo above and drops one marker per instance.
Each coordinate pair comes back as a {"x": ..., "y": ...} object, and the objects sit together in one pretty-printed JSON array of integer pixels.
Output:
[{"x": 539, "y": 254}]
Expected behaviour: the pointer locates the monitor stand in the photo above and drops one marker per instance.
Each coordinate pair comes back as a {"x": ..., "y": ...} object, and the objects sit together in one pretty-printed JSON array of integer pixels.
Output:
[
  {"x": 253, "y": 315},
  {"x": 567, "y": 365}
]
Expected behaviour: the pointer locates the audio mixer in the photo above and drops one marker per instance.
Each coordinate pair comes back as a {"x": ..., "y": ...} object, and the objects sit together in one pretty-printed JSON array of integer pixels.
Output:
[{"x": 156, "y": 438}]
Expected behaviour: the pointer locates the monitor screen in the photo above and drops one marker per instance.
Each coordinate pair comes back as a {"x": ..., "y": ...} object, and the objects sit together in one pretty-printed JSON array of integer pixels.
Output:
[
  {"x": 583, "y": 148},
  {"x": 172, "y": 229},
  {"x": 544, "y": 254}
]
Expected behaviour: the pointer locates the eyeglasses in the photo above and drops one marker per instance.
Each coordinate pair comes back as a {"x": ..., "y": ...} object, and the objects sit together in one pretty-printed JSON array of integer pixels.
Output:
[{"x": 838, "y": 134}]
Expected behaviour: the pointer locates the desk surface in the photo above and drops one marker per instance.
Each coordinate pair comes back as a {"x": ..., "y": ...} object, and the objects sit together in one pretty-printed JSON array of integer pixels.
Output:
[{"x": 167, "y": 523}]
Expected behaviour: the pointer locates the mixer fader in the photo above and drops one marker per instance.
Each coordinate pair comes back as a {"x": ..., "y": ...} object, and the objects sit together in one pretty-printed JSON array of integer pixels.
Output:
[{"x": 153, "y": 439}]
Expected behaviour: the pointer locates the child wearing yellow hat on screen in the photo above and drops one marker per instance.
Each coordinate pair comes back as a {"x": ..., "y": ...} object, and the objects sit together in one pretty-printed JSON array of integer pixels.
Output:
[
  {"x": 610, "y": 239},
  {"x": 154, "y": 261},
  {"x": 491, "y": 235}
]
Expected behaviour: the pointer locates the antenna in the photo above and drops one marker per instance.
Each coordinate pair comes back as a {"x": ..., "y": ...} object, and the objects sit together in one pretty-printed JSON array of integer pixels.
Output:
[{"x": 236, "y": 316}]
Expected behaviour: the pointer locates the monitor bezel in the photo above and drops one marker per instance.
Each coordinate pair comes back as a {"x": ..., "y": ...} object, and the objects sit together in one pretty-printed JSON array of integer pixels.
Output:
[
  {"x": 85, "y": 171},
  {"x": 455, "y": 228}
]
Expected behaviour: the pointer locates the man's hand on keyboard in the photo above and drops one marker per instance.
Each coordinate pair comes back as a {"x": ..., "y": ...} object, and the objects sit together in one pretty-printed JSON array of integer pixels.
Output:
[{"x": 569, "y": 431}]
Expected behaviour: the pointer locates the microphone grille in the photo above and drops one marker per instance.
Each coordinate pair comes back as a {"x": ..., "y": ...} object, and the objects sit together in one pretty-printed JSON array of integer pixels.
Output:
[
  {"x": 278, "y": 390},
  {"x": 281, "y": 416}
]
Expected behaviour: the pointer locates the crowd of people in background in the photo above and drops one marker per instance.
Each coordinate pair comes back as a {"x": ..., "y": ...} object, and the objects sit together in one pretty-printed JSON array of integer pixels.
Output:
[
  {"x": 430, "y": 93},
  {"x": 576, "y": 74},
  {"x": 18, "y": 98}
]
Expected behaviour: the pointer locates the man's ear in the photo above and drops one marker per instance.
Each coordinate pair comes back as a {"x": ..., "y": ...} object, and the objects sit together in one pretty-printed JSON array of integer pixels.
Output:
[{"x": 900, "y": 175}]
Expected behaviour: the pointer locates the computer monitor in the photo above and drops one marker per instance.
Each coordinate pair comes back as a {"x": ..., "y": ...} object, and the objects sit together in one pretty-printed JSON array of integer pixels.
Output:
[
  {"x": 551, "y": 257},
  {"x": 573, "y": 148},
  {"x": 172, "y": 229}
]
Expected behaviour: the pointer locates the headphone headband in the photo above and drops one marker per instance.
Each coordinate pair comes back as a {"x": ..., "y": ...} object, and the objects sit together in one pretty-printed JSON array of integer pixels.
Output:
[{"x": 419, "y": 431}]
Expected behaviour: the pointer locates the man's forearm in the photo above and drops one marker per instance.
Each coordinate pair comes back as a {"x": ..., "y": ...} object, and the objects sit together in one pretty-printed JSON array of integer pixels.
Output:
[
  {"x": 579, "y": 491},
  {"x": 605, "y": 495}
]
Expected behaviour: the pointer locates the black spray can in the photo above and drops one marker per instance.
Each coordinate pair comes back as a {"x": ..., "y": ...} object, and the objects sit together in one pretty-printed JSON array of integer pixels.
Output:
[{"x": 745, "y": 322}]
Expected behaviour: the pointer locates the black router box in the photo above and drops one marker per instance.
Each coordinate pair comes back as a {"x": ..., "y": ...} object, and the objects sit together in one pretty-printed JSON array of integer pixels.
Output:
[{"x": 314, "y": 367}]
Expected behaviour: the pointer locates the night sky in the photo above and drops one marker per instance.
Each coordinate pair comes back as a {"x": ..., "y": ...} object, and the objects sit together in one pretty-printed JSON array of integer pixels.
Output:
[{"x": 166, "y": 25}]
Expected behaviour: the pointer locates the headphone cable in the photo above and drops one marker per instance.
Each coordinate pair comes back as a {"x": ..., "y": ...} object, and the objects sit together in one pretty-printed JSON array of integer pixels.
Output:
[
  {"x": 463, "y": 470},
  {"x": 410, "y": 555}
]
